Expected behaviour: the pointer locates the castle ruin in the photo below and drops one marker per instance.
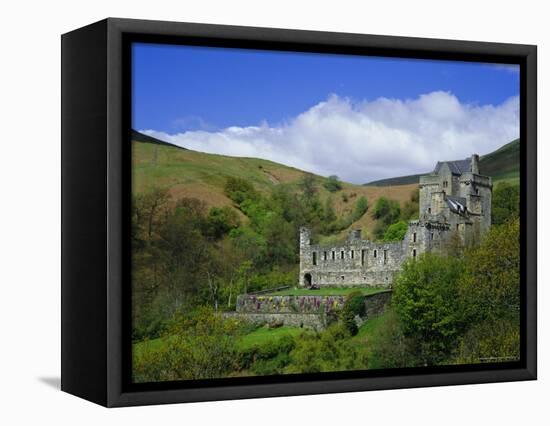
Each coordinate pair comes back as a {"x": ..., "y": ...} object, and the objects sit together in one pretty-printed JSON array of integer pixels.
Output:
[{"x": 454, "y": 202}]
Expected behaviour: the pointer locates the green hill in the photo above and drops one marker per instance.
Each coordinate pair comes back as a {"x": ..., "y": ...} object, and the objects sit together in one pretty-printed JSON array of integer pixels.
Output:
[
  {"x": 192, "y": 174},
  {"x": 502, "y": 164}
]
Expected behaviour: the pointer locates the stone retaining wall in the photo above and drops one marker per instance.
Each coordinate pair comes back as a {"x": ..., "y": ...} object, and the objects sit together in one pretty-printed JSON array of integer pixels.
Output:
[
  {"x": 301, "y": 311},
  {"x": 311, "y": 321},
  {"x": 251, "y": 303}
]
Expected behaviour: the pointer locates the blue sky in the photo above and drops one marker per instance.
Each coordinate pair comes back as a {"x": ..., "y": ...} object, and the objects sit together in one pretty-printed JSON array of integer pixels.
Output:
[{"x": 192, "y": 95}]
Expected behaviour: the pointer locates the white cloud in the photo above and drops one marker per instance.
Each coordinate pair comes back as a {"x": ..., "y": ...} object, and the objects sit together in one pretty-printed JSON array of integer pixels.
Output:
[{"x": 368, "y": 140}]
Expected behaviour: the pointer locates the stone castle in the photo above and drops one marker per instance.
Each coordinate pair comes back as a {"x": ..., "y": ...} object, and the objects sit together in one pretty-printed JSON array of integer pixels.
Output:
[{"x": 455, "y": 202}]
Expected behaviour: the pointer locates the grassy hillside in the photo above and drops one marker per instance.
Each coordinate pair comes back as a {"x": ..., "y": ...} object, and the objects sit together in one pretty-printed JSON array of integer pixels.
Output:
[
  {"x": 188, "y": 173},
  {"x": 502, "y": 164}
]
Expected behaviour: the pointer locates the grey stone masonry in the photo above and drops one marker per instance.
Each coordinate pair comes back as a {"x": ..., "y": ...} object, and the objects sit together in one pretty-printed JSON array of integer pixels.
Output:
[
  {"x": 455, "y": 201},
  {"x": 301, "y": 311}
]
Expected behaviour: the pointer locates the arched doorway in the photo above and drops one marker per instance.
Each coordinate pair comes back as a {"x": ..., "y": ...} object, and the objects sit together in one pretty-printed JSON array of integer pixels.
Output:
[{"x": 307, "y": 280}]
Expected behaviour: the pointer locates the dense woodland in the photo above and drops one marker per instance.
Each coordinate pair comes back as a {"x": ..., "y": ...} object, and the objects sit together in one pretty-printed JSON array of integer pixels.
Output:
[{"x": 190, "y": 262}]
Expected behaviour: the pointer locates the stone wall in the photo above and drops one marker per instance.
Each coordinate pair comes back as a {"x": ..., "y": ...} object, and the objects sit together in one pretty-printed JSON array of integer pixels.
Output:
[
  {"x": 311, "y": 321},
  {"x": 376, "y": 304},
  {"x": 356, "y": 262},
  {"x": 252, "y": 303},
  {"x": 301, "y": 311}
]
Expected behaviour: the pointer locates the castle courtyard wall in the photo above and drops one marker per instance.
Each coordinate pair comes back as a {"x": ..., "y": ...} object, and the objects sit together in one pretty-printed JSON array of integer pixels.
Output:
[{"x": 301, "y": 311}]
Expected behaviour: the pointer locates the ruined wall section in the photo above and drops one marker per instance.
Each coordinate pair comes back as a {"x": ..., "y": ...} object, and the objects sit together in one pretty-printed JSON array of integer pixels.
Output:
[{"x": 356, "y": 262}]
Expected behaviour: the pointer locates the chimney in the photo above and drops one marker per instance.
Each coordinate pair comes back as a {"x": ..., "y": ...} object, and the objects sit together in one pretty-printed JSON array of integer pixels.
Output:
[
  {"x": 355, "y": 234},
  {"x": 474, "y": 167}
]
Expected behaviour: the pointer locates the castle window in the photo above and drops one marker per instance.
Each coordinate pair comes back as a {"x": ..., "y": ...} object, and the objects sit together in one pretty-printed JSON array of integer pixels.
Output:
[
  {"x": 325, "y": 255},
  {"x": 432, "y": 236},
  {"x": 352, "y": 254},
  {"x": 342, "y": 278},
  {"x": 314, "y": 258},
  {"x": 414, "y": 237},
  {"x": 445, "y": 184},
  {"x": 429, "y": 210},
  {"x": 414, "y": 252},
  {"x": 374, "y": 253},
  {"x": 385, "y": 256},
  {"x": 333, "y": 256},
  {"x": 342, "y": 255},
  {"x": 362, "y": 257}
]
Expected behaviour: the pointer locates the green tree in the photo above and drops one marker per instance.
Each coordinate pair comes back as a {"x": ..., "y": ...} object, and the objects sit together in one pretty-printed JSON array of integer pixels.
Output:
[
  {"x": 361, "y": 207},
  {"x": 309, "y": 186},
  {"x": 396, "y": 231},
  {"x": 354, "y": 305},
  {"x": 505, "y": 204},
  {"x": 387, "y": 211},
  {"x": 239, "y": 190},
  {"x": 220, "y": 221},
  {"x": 490, "y": 286},
  {"x": 410, "y": 208},
  {"x": 200, "y": 346},
  {"x": 329, "y": 350},
  {"x": 425, "y": 299},
  {"x": 329, "y": 212},
  {"x": 332, "y": 183}
]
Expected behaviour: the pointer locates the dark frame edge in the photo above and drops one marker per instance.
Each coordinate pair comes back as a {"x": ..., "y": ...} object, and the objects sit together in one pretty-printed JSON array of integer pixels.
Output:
[
  {"x": 530, "y": 129},
  {"x": 83, "y": 218}
]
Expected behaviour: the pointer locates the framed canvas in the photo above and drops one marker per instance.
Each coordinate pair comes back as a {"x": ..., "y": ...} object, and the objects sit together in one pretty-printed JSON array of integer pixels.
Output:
[{"x": 256, "y": 212}]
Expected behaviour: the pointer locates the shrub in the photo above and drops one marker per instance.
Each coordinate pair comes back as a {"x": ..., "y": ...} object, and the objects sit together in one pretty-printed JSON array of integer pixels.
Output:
[
  {"x": 361, "y": 207},
  {"x": 202, "y": 346},
  {"x": 353, "y": 306},
  {"x": 505, "y": 203},
  {"x": 332, "y": 184},
  {"x": 239, "y": 190},
  {"x": 396, "y": 231},
  {"x": 426, "y": 299},
  {"x": 220, "y": 221},
  {"x": 387, "y": 211}
]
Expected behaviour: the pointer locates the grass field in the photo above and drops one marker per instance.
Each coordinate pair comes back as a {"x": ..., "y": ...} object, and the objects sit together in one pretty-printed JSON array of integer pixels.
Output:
[
  {"x": 264, "y": 335},
  {"x": 259, "y": 336},
  {"x": 326, "y": 291}
]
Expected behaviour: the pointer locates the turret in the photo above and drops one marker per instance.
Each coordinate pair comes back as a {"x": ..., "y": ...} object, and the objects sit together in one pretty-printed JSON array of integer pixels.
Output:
[
  {"x": 305, "y": 237},
  {"x": 474, "y": 167}
]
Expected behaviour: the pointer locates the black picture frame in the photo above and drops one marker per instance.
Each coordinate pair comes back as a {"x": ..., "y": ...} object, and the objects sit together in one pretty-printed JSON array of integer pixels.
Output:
[{"x": 96, "y": 197}]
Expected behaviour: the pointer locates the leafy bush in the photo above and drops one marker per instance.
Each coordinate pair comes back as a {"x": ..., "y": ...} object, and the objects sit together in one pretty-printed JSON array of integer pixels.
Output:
[
  {"x": 396, "y": 231},
  {"x": 361, "y": 207},
  {"x": 329, "y": 350},
  {"x": 353, "y": 306},
  {"x": 388, "y": 211},
  {"x": 220, "y": 221},
  {"x": 239, "y": 190},
  {"x": 332, "y": 184},
  {"x": 505, "y": 203},
  {"x": 202, "y": 346},
  {"x": 490, "y": 286},
  {"x": 426, "y": 299}
]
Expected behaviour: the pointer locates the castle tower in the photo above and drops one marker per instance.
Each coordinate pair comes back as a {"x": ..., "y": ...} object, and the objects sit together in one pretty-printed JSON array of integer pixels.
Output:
[
  {"x": 305, "y": 254},
  {"x": 474, "y": 164}
]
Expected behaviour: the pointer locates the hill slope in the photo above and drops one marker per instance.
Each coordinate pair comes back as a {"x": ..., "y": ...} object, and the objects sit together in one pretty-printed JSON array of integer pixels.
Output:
[
  {"x": 187, "y": 173},
  {"x": 502, "y": 164}
]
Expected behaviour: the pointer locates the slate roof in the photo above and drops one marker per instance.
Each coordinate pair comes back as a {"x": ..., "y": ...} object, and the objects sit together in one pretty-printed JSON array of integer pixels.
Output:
[
  {"x": 457, "y": 204},
  {"x": 457, "y": 167}
]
